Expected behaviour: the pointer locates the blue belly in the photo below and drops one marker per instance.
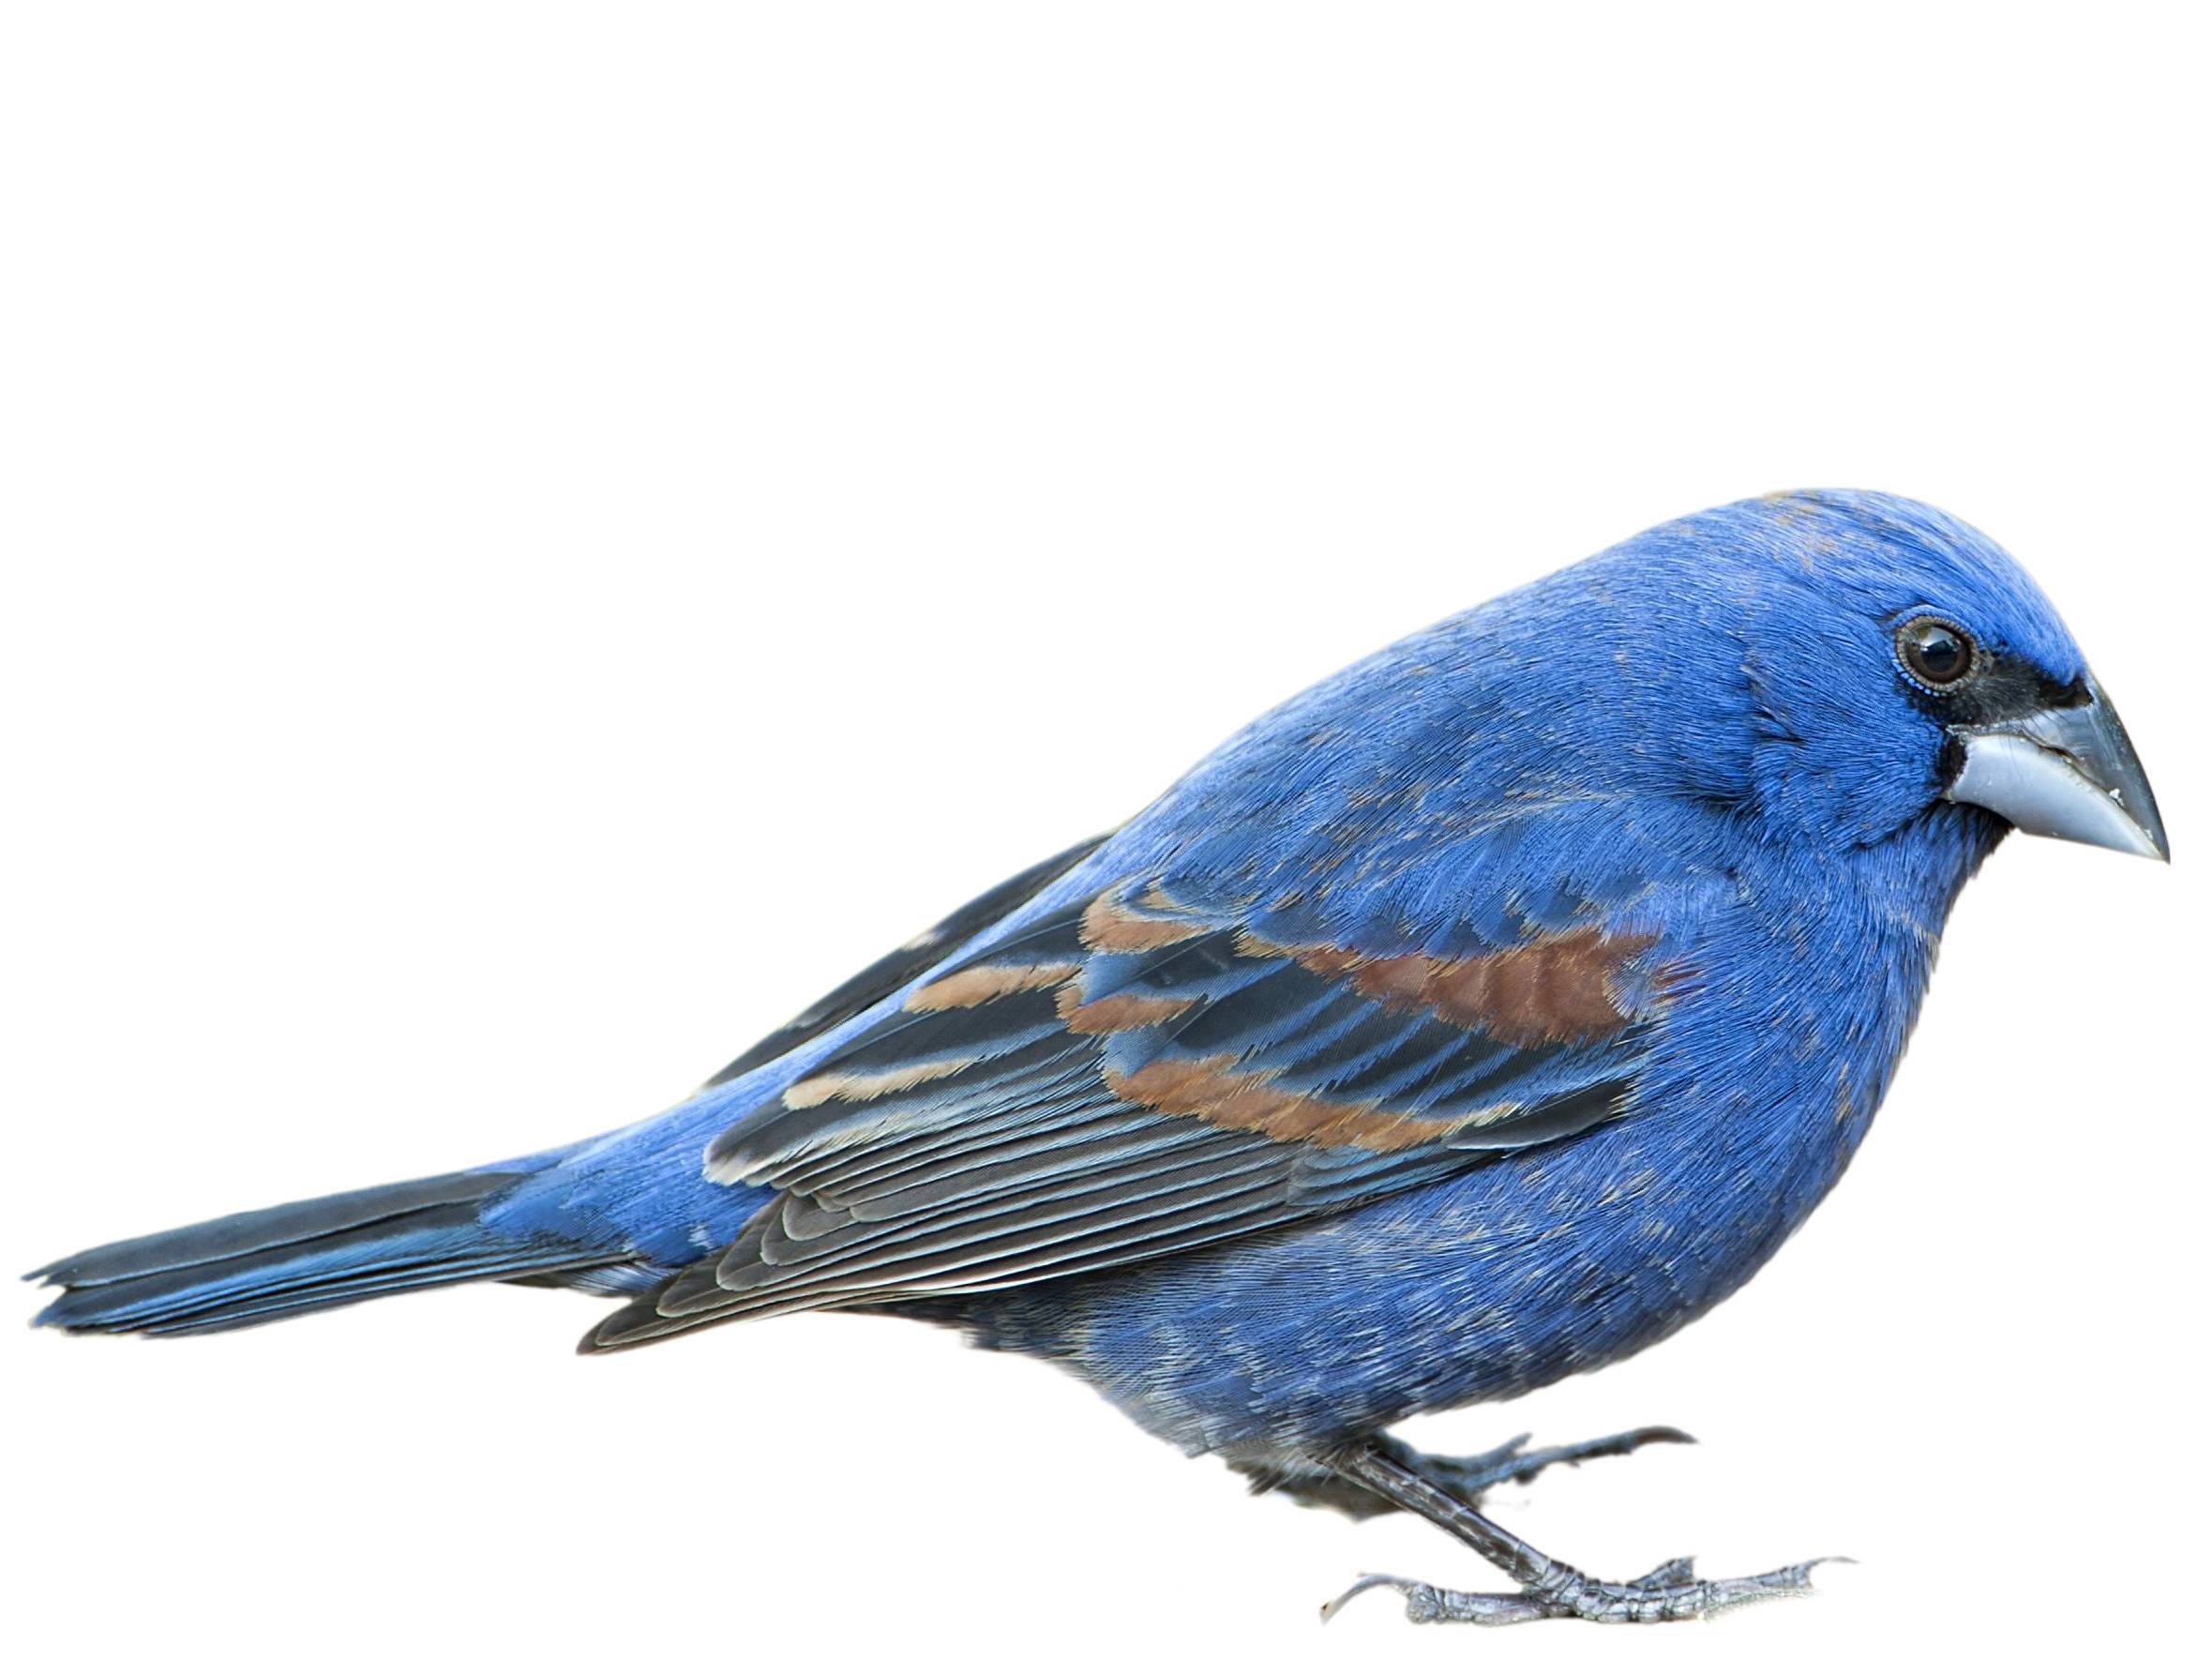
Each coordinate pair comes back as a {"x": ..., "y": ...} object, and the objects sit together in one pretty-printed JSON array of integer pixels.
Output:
[{"x": 1505, "y": 1280}]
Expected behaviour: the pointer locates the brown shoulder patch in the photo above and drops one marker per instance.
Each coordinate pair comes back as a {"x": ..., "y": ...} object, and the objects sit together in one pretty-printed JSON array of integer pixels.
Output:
[{"x": 1554, "y": 990}]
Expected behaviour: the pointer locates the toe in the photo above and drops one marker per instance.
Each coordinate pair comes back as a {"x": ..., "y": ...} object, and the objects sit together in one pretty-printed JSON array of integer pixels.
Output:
[{"x": 1671, "y": 1575}]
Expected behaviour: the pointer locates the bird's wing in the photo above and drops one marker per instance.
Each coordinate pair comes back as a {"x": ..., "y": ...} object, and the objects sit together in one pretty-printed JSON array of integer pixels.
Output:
[
  {"x": 909, "y": 962},
  {"x": 1139, "y": 1074}
]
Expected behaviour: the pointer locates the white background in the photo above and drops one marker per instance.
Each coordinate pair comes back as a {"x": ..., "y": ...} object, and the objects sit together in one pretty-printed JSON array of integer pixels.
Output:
[{"x": 539, "y": 538}]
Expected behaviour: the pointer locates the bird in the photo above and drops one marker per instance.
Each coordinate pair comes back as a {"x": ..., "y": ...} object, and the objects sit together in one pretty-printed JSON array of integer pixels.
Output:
[{"x": 1478, "y": 1017}]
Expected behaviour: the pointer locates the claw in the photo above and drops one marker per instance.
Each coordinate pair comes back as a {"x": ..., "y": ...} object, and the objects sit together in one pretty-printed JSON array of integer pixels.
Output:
[
  {"x": 1615, "y": 1445},
  {"x": 1725, "y": 1594},
  {"x": 1365, "y": 1582}
]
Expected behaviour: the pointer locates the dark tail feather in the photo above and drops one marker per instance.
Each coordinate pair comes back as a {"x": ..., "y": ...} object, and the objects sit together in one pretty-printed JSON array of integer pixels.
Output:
[{"x": 271, "y": 1265}]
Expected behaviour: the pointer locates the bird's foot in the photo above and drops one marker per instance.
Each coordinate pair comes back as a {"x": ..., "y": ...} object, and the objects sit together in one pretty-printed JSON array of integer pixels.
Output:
[
  {"x": 1469, "y": 1475},
  {"x": 1549, "y": 1588},
  {"x": 1669, "y": 1593},
  {"x": 1464, "y": 1477}
]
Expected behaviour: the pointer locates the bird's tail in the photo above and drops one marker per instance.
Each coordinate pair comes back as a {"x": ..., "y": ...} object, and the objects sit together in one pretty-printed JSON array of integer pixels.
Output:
[{"x": 295, "y": 1258}]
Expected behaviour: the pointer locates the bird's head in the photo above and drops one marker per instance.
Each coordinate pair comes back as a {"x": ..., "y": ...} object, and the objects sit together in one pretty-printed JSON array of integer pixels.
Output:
[{"x": 1846, "y": 663}]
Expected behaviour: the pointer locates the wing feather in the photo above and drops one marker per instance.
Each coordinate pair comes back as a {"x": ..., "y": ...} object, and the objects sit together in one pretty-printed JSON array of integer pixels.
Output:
[
  {"x": 909, "y": 962},
  {"x": 1140, "y": 1072}
]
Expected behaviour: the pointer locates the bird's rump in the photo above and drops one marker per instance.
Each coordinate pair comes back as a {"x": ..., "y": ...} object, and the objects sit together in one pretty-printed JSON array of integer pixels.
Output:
[{"x": 1142, "y": 1071}]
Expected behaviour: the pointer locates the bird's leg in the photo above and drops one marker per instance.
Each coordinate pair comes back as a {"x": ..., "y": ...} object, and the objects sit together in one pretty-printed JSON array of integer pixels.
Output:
[
  {"x": 1464, "y": 1477},
  {"x": 1549, "y": 1588}
]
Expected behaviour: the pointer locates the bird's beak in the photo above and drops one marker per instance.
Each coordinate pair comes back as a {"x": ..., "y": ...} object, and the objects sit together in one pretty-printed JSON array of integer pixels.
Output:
[{"x": 2065, "y": 771}]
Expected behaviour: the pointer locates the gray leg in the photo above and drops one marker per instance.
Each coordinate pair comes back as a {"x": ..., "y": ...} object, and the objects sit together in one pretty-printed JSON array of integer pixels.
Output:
[
  {"x": 1549, "y": 1588},
  {"x": 1464, "y": 1477}
]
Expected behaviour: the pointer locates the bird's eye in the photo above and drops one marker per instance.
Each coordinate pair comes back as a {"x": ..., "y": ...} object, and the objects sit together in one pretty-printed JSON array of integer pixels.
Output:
[{"x": 1934, "y": 652}]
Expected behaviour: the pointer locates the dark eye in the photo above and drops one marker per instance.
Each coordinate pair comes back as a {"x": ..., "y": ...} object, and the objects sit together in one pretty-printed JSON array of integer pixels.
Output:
[{"x": 1934, "y": 652}]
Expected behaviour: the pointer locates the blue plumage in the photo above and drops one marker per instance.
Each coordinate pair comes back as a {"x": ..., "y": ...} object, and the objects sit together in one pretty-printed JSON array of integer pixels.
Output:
[{"x": 1478, "y": 1017}]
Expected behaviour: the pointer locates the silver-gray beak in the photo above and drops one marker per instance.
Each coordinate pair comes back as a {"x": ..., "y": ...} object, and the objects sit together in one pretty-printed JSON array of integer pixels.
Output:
[{"x": 2065, "y": 771}]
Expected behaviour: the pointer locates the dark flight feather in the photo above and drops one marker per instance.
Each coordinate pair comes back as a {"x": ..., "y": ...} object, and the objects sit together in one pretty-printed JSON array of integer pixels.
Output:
[{"x": 909, "y": 962}]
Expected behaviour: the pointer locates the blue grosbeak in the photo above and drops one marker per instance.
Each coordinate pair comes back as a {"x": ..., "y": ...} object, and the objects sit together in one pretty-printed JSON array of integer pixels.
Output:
[{"x": 1478, "y": 1017}]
